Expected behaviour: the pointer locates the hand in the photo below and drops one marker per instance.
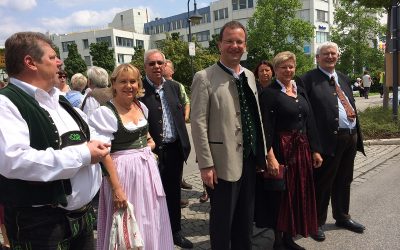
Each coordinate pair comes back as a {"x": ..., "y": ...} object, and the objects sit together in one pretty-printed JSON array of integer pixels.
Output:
[
  {"x": 209, "y": 176},
  {"x": 273, "y": 167},
  {"x": 317, "y": 160},
  {"x": 98, "y": 150},
  {"x": 119, "y": 198}
]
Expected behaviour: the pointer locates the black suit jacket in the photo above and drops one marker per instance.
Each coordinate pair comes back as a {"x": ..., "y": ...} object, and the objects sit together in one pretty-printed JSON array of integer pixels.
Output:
[
  {"x": 324, "y": 103},
  {"x": 171, "y": 92}
]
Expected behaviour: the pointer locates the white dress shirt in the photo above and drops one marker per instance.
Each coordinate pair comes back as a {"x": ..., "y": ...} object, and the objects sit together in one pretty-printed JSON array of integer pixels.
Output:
[{"x": 20, "y": 161}]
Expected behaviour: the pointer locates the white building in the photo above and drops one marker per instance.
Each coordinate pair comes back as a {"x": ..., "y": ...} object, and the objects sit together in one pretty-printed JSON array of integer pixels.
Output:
[
  {"x": 317, "y": 12},
  {"x": 130, "y": 28},
  {"x": 124, "y": 33}
]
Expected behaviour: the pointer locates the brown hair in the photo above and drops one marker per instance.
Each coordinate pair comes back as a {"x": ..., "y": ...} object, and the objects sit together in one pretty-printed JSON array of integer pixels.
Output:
[
  {"x": 232, "y": 25},
  {"x": 21, "y": 44},
  {"x": 263, "y": 62}
]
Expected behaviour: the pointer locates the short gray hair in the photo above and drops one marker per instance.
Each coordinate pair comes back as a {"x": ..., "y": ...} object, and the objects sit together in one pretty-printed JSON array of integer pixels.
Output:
[
  {"x": 98, "y": 77},
  {"x": 150, "y": 52},
  {"x": 326, "y": 45}
]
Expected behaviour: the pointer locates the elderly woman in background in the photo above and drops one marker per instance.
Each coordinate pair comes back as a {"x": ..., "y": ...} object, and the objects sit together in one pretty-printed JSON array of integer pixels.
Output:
[
  {"x": 132, "y": 167},
  {"x": 78, "y": 84},
  {"x": 264, "y": 73},
  {"x": 291, "y": 141}
]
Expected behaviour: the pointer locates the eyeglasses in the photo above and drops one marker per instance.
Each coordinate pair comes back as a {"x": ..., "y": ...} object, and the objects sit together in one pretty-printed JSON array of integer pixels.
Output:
[
  {"x": 153, "y": 63},
  {"x": 62, "y": 76},
  {"x": 231, "y": 42}
]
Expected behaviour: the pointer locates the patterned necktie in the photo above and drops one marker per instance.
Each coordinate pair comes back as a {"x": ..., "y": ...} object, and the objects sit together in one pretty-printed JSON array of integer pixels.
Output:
[{"x": 346, "y": 105}]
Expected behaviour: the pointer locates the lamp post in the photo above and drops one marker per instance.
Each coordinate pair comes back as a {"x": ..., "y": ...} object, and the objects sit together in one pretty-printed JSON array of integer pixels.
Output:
[
  {"x": 395, "y": 51},
  {"x": 195, "y": 18}
]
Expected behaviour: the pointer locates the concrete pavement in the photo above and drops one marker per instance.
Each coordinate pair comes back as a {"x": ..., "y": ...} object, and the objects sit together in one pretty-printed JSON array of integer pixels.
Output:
[{"x": 195, "y": 216}]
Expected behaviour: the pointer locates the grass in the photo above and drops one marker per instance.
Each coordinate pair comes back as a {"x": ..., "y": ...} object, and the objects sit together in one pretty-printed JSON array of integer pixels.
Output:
[{"x": 377, "y": 123}]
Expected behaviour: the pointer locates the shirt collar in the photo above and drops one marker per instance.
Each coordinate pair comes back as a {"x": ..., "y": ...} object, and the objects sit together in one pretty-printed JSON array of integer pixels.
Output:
[
  {"x": 35, "y": 91},
  {"x": 293, "y": 82},
  {"x": 334, "y": 74},
  {"x": 157, "y": 87},
  {"x": 241, "y": 70}
]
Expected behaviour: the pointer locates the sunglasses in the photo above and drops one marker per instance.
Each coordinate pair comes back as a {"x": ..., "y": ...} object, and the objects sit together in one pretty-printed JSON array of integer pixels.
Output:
[
  {"x": 153, "y": 63},
  {"x": 62, "y": 76}
]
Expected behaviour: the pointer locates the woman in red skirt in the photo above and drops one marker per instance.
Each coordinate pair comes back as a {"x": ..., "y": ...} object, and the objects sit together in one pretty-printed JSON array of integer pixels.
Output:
[{"x": 291, "y": 141}]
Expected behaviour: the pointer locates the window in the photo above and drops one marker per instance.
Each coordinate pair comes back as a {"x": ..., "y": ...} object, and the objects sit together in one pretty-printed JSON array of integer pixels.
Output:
[
  {"x": 65, "y": 45},
  {"x": 87, "y": 61},
  {"x": 121, "y": 58},
  {"x": 321, "y": 37},
  {"x": 106, "y": 39},
  {"x": 235, "y": 4},
  {"x": 242, "y": 4},
  {"x": 124, "y": 42},
  {"x": 220, "y": 14},
  {"x": 139, "y": 43},
  {"x": 322, "y": 16},
  {"x": 202, "y": 36},
  {"x": 304, "y": 15},
  {"x": 85, "y": 43},
  {"x": 250, "y": 4}
]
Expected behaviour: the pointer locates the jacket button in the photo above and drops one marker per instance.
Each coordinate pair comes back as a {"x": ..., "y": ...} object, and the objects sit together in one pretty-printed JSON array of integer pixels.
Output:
[
  {"x": 334, "y": 93},
  {"x": 335, "y": 132},
  {"x": 160, "y": 121},
  {"x": 159, "y": 108},
  {"x": 239, "y": 144},
  {"x": 237, "y": 112},
  {"x": 336, "y": 119}
]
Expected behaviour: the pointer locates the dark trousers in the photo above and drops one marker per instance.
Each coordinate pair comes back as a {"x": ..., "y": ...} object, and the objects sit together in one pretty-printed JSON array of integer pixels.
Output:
[
  {"x": 366, "y": 92},
  {"x": 48, "y": 228},
  {"x": 333, "y": 180},
  {"x": 232, "y": 210},
  {"x": 171, "y": 167}
]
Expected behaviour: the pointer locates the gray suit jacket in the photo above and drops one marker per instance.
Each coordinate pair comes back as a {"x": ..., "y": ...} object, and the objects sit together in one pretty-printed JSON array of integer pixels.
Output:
[{"x": 216, "y": 122}]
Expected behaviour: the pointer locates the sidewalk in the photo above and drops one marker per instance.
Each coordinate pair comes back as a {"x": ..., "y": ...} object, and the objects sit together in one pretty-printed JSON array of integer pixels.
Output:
[{"x": 195, "y": 216}]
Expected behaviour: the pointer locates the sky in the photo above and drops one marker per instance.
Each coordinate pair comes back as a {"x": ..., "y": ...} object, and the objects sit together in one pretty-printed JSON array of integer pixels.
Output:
[{"x": 65, "y": 16}]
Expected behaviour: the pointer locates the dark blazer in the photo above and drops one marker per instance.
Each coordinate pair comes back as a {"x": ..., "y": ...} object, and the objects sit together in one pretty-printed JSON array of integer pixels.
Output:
[
  {"x": 153, "y": 103},
  {"x": 324, "y": 102},
  {"x": 269, "y": 110}
]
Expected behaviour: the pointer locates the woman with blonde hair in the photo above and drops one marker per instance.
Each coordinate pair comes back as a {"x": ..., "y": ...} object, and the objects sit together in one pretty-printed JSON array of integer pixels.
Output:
[
  {"x": 132, "y": 168},
  {"x": 292, "y": 143}
]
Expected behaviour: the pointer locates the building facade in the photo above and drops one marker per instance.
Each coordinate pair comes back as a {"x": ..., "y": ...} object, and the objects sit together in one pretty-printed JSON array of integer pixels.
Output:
[
  {"x": 131, "y": 28},
  {"x": 125, "y": 32}
]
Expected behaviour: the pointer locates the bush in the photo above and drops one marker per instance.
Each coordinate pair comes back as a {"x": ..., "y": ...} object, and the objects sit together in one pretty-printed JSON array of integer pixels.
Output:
[{"x": 377, "y": 123}]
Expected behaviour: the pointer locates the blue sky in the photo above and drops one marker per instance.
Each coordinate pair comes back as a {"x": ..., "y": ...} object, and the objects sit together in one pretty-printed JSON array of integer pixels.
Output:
[{"x": 64, "y": 16}]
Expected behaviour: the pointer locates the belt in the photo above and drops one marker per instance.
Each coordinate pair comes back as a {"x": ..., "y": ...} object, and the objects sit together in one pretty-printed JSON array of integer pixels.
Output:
[
  {"x": 347, "y": 131},
  {"x": 49, "y": 208}
]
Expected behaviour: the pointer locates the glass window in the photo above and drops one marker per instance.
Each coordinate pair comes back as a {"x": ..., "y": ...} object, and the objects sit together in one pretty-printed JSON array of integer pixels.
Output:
[
  {"x": 226, "y": 13},
  {"x": 124, "y": 42},
  {"x": 106, "y": 39},
  {"x": 322, "y": 16},
  {"x": 120, "y": 58},
  {"x": 65, "y": 45},
  {"x": 215, "y": 15},
  {"x": 242, "y": 4},
  {"x": 235, "y": 4},
  {"x": 250, "y": 4},
  {"x": 139, "y": 43},
  {"x": 85, "y": 43},
  {"x": 321, "y": 37},
  {"x": 87, "y": 61}
]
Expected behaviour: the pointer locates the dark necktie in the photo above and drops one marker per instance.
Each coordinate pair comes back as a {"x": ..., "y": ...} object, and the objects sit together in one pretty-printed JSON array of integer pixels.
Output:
[{"x": 347, "y": 107}]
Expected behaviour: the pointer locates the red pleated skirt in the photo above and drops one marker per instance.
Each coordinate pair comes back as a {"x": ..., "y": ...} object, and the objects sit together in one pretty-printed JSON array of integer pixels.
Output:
[{"x": 297, "y": 211}]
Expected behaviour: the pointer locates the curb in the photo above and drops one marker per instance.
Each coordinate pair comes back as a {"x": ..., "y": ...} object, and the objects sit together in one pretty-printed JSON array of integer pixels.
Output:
[{"x": 394, "y": 141}]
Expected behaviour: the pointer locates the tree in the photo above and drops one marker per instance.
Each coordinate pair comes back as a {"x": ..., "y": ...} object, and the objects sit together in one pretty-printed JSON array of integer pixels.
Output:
[
  {"x": 356, "y": 29},
  {"x": 102, "y": 56},
  {"x": 74, "y": 62},
  {"x": 274, "y": 28},
  {"x": 213, "y": 44},
  {"x": 177, "y": 51},
  {"x": 138, "y": 59}
]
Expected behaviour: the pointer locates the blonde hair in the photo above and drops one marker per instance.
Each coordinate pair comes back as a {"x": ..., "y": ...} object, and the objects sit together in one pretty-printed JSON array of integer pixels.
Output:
[
  {"x": 283, "y": 57},
  {"x": 78, "y": 82},
  {"x": 128, "y": 67}
]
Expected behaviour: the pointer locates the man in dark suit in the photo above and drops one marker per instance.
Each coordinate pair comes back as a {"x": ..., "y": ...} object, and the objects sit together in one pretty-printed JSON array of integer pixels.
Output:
[
  {"x": 168, "y": 129},
  {"x": 339, "y": 132}
]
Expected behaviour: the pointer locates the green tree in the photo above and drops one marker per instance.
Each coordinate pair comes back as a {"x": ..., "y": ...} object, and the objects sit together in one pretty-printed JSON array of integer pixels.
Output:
[
  {"x": 74, "y": 62},
  {"x": 213, "y": 44},
  {"x": 355, "y": 28},
  {"x": 138, "y": 59},
  {"x": 273, "y": 28},
  {"x": 177, "y": 51},
  {"x": 102, "y": 56}
]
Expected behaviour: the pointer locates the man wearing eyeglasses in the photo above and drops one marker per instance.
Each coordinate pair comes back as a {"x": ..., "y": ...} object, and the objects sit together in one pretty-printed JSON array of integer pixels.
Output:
[
  {"x": 228, "y": 139},
  {"x": 168, "y": 129},
  {"x": 340, "y": 136}
]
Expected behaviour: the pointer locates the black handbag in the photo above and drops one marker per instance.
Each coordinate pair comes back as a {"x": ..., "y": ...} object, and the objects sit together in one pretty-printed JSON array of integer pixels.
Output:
[{"x": 275, "y": 182}]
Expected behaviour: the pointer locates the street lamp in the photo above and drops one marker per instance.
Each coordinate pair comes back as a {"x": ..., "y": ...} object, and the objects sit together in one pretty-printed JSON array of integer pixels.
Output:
[{"x": 195, "y": 18}]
